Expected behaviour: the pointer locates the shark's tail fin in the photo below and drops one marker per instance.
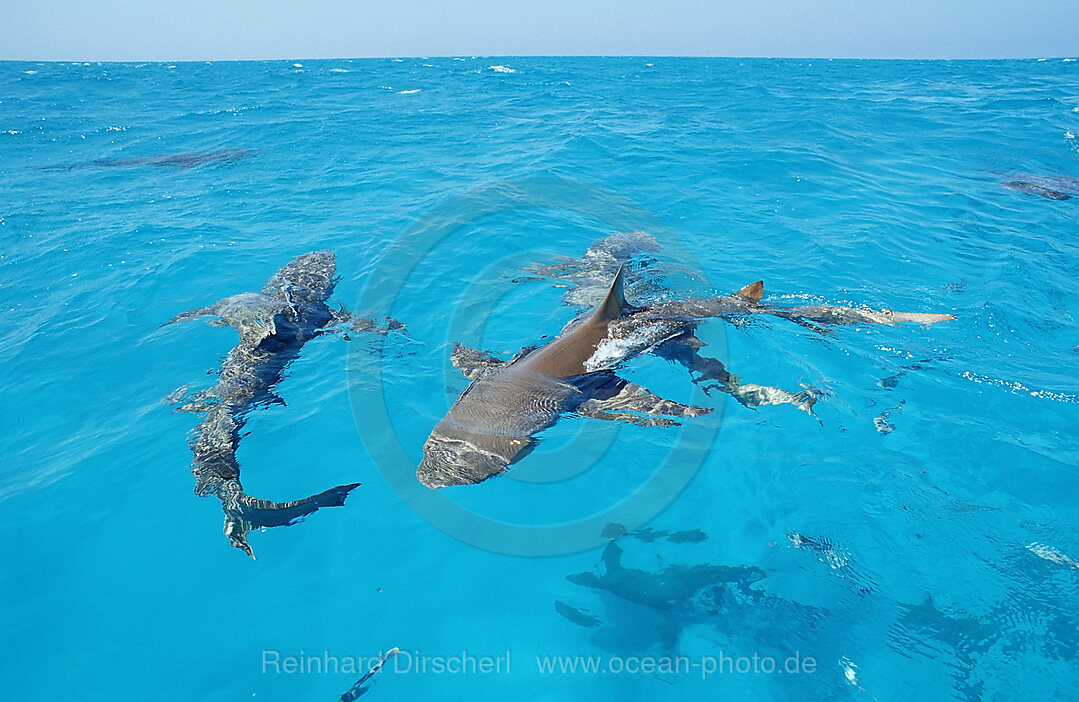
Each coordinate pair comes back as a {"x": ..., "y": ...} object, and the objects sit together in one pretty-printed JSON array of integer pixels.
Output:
[
  {"x": 615, "y": 302},
  {"x": 251, "y": 513}
]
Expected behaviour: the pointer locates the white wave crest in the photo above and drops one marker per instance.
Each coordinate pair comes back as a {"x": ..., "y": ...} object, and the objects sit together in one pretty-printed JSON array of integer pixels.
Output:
[
  {"x": 1052, "y": 555},
  {"x": 503, "y": 69}
]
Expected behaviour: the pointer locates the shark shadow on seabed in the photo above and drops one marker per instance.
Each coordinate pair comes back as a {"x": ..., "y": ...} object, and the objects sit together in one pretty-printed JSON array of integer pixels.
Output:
[
  {"x": 644, "y": 601},
  {"x": 1023, "y": 643},
  {"x": 492, "y": 423},
  {"x": 273, "y": 327}
]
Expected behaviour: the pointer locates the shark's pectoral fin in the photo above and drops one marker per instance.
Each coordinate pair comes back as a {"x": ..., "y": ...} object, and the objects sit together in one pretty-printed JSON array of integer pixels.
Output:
[
  {"x": 629, "y": 402},
  {"x": 343, "y": 321},
  {"x": 473, "y": 362},
  {"x": 252, "y": 314},
  {"x": 753, "y": 395},
  {"x": 198, "y": 401},
  {"x": 639, "y": 420},
  {"x": 829, "y": 314},
  {"x": 710, "y": 374},
  {"x": 208, "y": 311},
  {"x": 684, "y": 349}
]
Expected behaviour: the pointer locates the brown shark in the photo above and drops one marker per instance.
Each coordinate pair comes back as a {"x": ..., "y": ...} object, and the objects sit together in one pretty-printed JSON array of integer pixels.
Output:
[{"x": 492, "y": 423}]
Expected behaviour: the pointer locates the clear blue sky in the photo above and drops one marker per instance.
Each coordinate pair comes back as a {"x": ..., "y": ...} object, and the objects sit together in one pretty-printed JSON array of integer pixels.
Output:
[{"x": 139, "y": 30}]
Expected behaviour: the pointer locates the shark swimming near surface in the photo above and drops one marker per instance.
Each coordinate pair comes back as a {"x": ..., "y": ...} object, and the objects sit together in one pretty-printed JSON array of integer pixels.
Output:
[
  {"x": 492, "y": 423},
  {"x": 185, "y": 160},
  {"x": 273, "y": 326},
  {"x": 1049, "y": 187}
]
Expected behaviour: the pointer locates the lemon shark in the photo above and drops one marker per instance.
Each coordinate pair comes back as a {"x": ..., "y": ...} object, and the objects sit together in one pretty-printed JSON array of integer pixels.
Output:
[
  {"x": 1049, "y": 187},
  {"x": 492, "y": 423},
  {"x": 273, "y": 325},
  {"x": 182, "y": 160}
]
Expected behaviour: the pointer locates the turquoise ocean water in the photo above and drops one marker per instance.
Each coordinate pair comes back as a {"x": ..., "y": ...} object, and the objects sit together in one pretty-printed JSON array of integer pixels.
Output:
[{"x": 917, "y": 542}]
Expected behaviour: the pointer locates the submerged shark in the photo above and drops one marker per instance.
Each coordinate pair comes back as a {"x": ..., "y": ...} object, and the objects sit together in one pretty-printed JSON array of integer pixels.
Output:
[
  {"x": 1049, "y": 187},
  {"x": 181, "y": 160},
  {"x": 491, "y": 424},
  {"x": 273, "y": 325}
]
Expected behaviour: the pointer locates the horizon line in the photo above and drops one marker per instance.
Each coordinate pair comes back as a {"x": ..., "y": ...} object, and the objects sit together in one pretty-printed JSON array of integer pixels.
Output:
[{"x": 532, "y": 56}]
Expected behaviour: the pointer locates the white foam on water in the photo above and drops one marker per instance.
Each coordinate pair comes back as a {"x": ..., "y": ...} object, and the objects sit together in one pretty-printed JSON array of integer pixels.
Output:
[
  {"x": 1020, "y": 389},
  {"x": 1052, "y": 555},
  {"x": 338, "y": 70},
  {"x": 409, "y": 92},
  {"x": 297, "y": 65},
  {"x": 614, "y": 349},
  {"x": 503, "y": 69},
  {"x": 29, "y": 73}
]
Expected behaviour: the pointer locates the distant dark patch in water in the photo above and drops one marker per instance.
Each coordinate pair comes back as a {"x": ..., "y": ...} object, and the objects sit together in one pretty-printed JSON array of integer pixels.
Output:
[
  {"x": 836, "y": 557},
  {"x": 613, "y": 531},
  {"x": 576, "y": 616},
  {"x": 1049, "y": 187},
  {"x": 649, "y": 535},
  {"x": 884, "y": 427},
  {"x": 1033, "y": 189},
  {"x": 183, "y": 160},
  {"x": 892, "y": 381},
  {"x": 691, "y": 536},
  {"x": 363, "y": 685}
]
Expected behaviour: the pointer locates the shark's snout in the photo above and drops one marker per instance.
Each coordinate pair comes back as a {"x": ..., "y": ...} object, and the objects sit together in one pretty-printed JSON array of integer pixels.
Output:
[
  {"x": 309, "y": 277},
  {"x": 451, "y": 461}
]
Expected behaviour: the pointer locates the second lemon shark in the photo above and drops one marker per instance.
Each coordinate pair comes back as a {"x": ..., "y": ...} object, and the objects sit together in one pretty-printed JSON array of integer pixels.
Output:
[{"x": 492, "y": 423}]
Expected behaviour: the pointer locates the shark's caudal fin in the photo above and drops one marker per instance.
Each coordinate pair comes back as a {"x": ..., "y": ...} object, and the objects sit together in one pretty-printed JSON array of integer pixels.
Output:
[
  {"x": 249, "y": 513},
  {"x": 615, "y": 302},
  {"x": 753, "y": 292}
]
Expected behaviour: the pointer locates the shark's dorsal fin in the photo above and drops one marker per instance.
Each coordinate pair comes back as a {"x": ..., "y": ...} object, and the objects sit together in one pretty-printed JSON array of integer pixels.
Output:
[
  {"x": 753, "y": 291},
  {"x": 614, "y": 303}
]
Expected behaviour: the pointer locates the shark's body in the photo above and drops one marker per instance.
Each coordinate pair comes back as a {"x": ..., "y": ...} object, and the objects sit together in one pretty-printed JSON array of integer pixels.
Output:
[
  {"x": 181, "y": 160},
  {"x": 492, "y": 423},
  {"x": 273, "y": 325},
  {"x": 1049, "y": 187}
]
